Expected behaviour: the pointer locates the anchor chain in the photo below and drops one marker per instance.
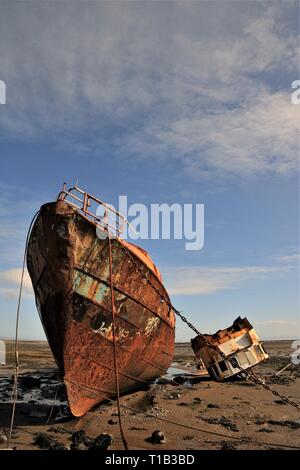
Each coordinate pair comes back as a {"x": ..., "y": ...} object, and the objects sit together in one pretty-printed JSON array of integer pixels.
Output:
[{"x": 248, "y": 375}]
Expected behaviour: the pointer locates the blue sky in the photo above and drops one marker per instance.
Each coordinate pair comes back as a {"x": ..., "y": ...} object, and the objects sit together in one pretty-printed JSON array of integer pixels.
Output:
[{"x": 176, "y": 102}]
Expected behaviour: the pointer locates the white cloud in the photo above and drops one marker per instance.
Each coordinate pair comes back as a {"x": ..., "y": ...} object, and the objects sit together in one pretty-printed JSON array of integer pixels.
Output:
[
  {"x": 179, "y": 280},
  {"x": 17, "y": 207},
  {"x": 273, "y": 322},
  {"x": 291, "y": 258},
  {"x": 199, "y": 280},
  {"x": 256, "y": 137},
  {"x": 10, "y": 280},
  {"x": 192, "y": 81}
]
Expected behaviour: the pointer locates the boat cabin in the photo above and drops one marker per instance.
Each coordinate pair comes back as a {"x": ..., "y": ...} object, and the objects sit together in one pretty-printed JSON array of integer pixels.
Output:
[{"x": 239, "y": 343}]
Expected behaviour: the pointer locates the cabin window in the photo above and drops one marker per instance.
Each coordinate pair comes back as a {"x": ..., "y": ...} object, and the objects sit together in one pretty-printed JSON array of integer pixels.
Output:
[
  {"x": 215, "y": 370},
  {"x": 251, "y": 358},
  {"x": 243, "y": 361},
  {"x": 223, "y": 366},
  {"x": 234, "y": 362}
]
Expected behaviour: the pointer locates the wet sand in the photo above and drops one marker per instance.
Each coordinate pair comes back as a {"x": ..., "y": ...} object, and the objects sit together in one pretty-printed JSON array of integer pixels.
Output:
[{"x": 240, "y": 411}]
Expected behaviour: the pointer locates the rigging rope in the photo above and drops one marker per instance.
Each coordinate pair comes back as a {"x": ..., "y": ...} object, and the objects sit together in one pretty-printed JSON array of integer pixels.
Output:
[
  {"x": 16, "y": 350},
  {"x": 53, "y": 404},
  {"x": 148, "y": 413},
  {"x": 116, "y": 370},
  {"x": 249, "y": 375}
]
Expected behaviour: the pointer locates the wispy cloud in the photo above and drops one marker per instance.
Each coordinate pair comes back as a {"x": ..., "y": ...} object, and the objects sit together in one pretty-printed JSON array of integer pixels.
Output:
[
  {"x": 291, "y": 258},
  {"x": 254, "y": 138},
  {"x": 200, "y": 280},
  {"x": 174, "y": 81},
  {"x": 273, "y": 322},
  {"x": 180, "y": 280},
  {"x": 10, "y": 283}
]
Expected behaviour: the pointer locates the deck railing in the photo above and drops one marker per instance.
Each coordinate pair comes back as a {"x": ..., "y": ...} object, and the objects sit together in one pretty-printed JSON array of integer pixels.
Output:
[{"x": 111, "y": 220}]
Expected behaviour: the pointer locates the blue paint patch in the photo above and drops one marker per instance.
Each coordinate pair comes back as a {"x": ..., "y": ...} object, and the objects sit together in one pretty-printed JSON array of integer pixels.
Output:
[
  {"x": 101, "y": 291},
  {"x": 83, "y": 283}
]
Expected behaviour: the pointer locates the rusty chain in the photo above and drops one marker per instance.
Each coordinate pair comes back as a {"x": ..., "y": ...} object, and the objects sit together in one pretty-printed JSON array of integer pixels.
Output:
[{"x": 249, "y": 375}]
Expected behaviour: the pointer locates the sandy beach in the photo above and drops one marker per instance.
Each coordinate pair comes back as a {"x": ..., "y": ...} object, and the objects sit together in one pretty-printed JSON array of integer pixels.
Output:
[{"x": 231, "y": 415}]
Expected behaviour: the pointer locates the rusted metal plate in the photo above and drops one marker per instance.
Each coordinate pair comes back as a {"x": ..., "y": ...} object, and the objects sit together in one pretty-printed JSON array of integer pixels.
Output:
[{"x": 69, "y": 268}]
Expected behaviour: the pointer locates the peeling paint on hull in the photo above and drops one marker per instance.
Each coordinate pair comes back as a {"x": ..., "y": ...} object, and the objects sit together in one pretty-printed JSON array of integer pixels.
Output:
[{"x": 69, "y": 268}]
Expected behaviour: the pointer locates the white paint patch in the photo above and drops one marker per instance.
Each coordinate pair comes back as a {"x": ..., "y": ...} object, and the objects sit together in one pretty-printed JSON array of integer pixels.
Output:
[{"x": 151, "y": 326}]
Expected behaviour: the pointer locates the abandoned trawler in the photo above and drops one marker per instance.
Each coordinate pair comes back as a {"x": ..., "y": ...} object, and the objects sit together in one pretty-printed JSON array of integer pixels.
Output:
[{"x": 81, "y": 281}]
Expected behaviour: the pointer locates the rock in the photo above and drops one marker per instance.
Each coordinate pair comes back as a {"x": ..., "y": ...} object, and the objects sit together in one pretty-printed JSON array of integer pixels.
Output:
[
  {"x": 158, "y": 437},
  {"x": 111, "y": 421},
  {"x": 58, "y": 446},
  {"x": 227, "y": 423},
  {"x": 80, "y": 446},
  {"x": 261, "y": 421},
  {"x": 134, "y": 428},
  {"x": 102, "y": 442},
  {"x": 197, "y": 400},
  {"x": 3, "y": 438},
  {"x": 44, "y": 441},
  {"x": 80, "y": 441},
  {"x": 226, "y": 445},
  {"x": 289, "y": 423},
  {"x": 212, "y": 405},
  {"x": 174, "y": 396}
]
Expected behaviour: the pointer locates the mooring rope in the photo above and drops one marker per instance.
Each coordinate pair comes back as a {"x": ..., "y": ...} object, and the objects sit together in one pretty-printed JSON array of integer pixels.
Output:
[
  {"x": 53, "y": 404},
  {"x": 181, "y": 425},
  {"x": 14, "y": 395},
  {"x": 116, "y": 370}
]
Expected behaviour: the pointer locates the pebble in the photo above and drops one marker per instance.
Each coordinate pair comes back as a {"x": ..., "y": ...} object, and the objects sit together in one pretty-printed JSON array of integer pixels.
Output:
[
  {"x": 111, "y": 421},
  {"x": 197, "y": 400},
  {"x": 158, "y": 437},
  {"x": 174, "y": 396},
  {"x": 227, "y": 445},
  {"x": 80, "y": 441},
  {"x": 3, "y": 438},
  {"x": 102, "y": 442}
]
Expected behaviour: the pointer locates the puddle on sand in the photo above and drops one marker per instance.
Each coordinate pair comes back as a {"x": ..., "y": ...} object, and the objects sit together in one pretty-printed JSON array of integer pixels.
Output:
[
  {"x": 186, "y": 375},
  {"x": 173, "y": 371}
]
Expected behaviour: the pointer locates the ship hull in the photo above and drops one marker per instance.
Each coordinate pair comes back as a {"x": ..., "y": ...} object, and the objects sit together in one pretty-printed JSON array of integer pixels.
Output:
[{"x": 69, "y": 268}]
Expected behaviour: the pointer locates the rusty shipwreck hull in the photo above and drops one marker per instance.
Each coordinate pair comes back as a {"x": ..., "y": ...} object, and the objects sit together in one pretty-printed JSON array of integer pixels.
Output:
[{"x": 69, "y": 269}]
